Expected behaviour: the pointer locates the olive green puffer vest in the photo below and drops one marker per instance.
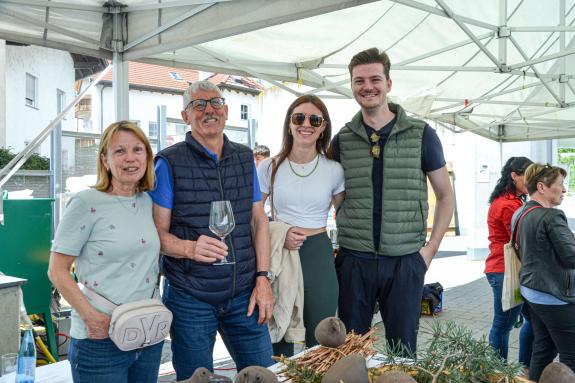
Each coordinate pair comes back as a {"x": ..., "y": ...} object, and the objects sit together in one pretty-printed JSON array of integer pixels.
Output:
[{"x": 404, "y": 196}]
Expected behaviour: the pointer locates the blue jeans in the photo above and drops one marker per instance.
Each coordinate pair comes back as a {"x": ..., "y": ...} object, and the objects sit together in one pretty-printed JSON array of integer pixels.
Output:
[
  {"x": 503, "y": 322},
  {"x": 99, "y": 360},
  {"x": 194, "y": 330}
]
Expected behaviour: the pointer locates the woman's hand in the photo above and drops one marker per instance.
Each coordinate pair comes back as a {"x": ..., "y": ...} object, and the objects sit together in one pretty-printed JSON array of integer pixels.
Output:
[
  {"x": 97, "y": 325},
  {"x": 294, "y": 238}
]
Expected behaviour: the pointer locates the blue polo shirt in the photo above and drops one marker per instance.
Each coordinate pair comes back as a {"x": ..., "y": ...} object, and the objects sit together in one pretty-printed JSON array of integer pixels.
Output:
[{"x": 163, "y": 194}]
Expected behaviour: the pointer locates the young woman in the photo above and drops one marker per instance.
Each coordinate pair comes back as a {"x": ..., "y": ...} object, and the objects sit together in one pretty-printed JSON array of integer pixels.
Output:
[{"x": 302, "y": 184}]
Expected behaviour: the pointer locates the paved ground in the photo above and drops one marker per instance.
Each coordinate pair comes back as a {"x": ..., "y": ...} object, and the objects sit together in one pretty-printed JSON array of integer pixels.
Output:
[{"x": 467, "y": 300}]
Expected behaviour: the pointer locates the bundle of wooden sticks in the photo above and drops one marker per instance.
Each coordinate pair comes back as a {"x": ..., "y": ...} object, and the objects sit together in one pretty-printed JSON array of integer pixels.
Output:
[{"x": 321, "y": 358}]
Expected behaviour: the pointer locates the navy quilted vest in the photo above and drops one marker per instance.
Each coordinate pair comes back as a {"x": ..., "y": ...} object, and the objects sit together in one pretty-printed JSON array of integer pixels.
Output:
[{"x": 198, "y": 180}]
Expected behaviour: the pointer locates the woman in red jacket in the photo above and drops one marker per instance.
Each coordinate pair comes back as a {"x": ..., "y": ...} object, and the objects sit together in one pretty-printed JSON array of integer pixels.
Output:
[{"x": 505, "y": 199}]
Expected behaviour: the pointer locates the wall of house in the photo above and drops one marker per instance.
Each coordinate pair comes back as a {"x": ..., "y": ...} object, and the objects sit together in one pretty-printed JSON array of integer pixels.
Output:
[
  {"x": 234, "y": 100},
  {"x": 2, "y": 94},
  {"x": 274, "y": 102},
  {"x": 54, "y": 70},
  {"x": 143, "y": 107}
]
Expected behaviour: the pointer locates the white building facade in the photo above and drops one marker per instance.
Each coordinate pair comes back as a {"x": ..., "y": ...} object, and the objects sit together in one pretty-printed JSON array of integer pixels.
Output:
[{"x": 35, "y": 84}]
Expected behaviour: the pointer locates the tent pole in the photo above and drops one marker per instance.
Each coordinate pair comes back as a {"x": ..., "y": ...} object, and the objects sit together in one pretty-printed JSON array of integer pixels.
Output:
[
  {"x": 120, "y": 87},
  {"x": 502, "y": 36},
  {"x": 120, "y": 83},
  {"x": 500, "y": 154},
  {"x": 562, "y": 60}
]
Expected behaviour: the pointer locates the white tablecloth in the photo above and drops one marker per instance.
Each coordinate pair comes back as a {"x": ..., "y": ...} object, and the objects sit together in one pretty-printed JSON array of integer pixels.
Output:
[{"x": 50, "y": 373}]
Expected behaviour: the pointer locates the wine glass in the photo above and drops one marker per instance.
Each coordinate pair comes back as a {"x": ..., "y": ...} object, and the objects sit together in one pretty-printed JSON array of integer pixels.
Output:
[{"x": 222, "y": 223}]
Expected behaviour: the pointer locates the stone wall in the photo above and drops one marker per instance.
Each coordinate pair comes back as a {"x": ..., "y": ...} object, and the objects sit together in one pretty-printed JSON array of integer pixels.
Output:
[{"x": 36, "y": 180}]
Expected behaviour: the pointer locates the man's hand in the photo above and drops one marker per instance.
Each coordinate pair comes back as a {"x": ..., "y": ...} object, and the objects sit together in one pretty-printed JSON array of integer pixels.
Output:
[
  {"x": 427, "y": 253},
  {"x": 206, "y": 249},
  {"x": 263, "y": 297},
  {"x": 97, "y": 325},
  {"x": 294, "y": 239}
]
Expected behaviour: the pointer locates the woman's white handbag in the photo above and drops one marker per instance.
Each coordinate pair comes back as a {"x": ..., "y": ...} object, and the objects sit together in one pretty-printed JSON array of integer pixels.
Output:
[
  {"x": 136, "y": 324},
  {"x": 140, "y": 324}
]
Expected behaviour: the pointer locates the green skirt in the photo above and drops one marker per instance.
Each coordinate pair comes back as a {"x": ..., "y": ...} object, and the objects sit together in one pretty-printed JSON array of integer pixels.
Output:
[{"x": 320, "y": 288}]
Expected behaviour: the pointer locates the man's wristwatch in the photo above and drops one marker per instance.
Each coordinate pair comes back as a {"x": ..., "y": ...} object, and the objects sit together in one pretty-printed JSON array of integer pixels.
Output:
[{"x": 268, "y": 274}]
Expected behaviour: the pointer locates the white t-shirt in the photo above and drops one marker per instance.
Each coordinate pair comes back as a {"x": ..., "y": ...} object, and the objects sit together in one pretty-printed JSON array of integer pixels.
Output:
[{"x": 303, "y": 201}]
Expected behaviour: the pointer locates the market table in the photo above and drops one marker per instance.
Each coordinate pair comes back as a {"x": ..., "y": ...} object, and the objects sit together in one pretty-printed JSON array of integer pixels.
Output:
[{"x": 51, "y": 373}]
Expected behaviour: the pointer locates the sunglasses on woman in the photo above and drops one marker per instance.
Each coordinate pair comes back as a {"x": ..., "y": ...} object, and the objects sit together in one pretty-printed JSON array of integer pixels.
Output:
[{"x": 314, "y": 120}]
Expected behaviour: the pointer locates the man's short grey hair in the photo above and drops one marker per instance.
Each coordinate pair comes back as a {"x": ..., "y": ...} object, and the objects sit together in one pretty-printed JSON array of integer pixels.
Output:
[{"x": 196, "y": 87}]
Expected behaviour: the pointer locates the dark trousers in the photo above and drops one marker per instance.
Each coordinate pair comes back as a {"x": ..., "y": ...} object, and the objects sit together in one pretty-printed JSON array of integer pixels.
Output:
[
  {"x": 395, "y": 282},
  {"x": 554, "y": 331}
]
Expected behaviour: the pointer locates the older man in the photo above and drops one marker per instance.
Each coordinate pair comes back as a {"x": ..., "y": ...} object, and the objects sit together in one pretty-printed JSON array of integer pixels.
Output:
[{"x": 234, "y": 299}]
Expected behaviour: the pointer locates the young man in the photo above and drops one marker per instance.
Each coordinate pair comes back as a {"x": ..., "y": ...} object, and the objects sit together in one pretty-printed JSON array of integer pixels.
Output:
[
  {"x": 234, "y": 299},
  {"x": 382, "y": 225}
]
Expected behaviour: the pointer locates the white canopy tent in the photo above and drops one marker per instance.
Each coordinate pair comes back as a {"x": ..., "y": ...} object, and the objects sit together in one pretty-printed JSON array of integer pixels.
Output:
[{"x": 504, "y": 69}]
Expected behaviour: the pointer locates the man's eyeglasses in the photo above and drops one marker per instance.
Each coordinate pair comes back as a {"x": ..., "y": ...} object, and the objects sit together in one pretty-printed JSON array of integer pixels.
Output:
[
  {"x": 200, "y": 104},
  {"x": 314, "y": 120},
  {"x": 375, "y": 150}
]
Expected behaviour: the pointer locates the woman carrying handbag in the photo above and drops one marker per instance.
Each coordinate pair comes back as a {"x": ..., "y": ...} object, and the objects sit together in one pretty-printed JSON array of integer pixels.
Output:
[{"x": 547, "y": 250}]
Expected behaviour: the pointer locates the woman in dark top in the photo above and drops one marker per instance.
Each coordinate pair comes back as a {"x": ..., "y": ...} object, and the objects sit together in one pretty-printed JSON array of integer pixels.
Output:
[{"x": 547, "y": 252}]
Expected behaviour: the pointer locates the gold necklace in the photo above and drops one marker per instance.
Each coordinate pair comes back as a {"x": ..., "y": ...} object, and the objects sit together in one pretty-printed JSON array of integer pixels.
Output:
[{"x": 304, "y": 175}]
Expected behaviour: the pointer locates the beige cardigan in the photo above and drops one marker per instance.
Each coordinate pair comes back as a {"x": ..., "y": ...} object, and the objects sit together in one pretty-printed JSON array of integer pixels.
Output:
[{"x": 287, "y": 285}]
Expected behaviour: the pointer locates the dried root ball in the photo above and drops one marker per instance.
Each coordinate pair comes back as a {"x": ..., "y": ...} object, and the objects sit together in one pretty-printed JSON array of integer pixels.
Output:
[
  {"x": 395, "y": 377},
  {"x": 351, "y": 369},
  {"x": 256, "y": 374},
  {"x": 557, "y": 373},
  {"x": 330, "y": 332}
]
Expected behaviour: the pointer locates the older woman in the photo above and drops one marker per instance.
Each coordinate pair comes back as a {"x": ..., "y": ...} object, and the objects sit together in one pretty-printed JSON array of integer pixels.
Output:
[
  {"x": 303, "y": 184},
  {"x": 547, "y": 252},
  {"x": 507, "y": 196},
  {"x": 109, "y": 233}
]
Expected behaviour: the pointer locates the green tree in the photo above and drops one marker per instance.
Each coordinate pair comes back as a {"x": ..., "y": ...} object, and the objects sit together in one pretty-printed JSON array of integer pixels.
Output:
[
  {"x": 34, "y": 162},
  {"x": 567, "y": 157}
]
